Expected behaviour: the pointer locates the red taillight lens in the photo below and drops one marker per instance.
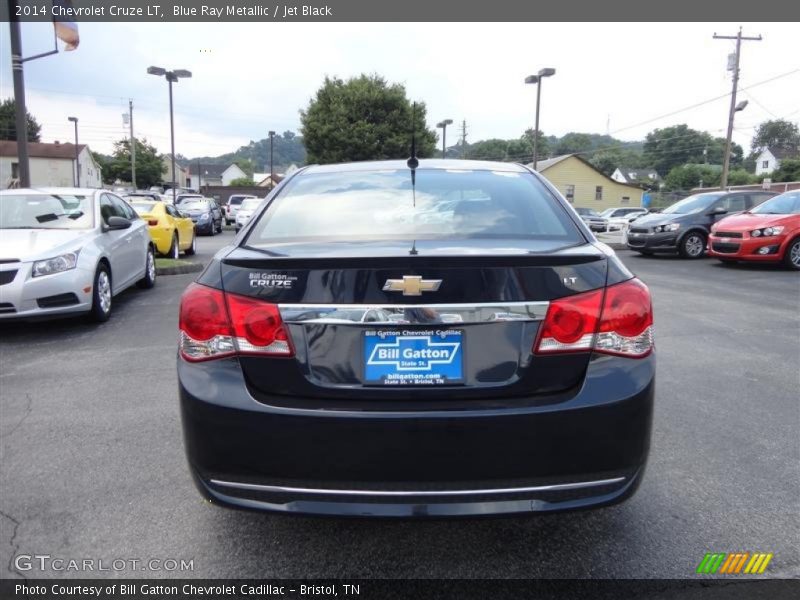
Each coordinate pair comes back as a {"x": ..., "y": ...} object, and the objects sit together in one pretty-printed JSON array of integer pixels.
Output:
[
  {"x": 570, "y": 323},
  {"x": 619, "y": 323},
  {"x": 258, "y": 326},
  {"x": 626, "y": 325},
  {"x": 152, "y": 222},
  {"x": 203, "y": 314},
  {"x": 214, "y": 325}
]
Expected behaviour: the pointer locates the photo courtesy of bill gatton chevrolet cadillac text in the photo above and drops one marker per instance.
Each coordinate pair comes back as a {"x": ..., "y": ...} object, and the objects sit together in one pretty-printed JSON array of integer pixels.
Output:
[{"x": 404, "y": 338}]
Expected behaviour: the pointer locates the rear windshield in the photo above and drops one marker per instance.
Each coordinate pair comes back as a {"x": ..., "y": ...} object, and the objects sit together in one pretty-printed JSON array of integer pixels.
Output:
[
  {"x": 195, "y": 204},
  {"x": 143, "y": 207},
  {"x": 379, "y": 205}
]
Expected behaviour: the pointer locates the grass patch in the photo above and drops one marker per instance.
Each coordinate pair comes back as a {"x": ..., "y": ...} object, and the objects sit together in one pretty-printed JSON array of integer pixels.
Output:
[{"x": 171, "y": 262}]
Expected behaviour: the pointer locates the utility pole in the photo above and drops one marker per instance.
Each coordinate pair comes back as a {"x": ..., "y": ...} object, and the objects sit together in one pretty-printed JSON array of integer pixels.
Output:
[
  {"x": 726, "y": 160},
  {"x": 19, "y": 99},
  {"x": 463, "y": 139},
  {"x": 133, "y": 145},
  {"x": 271, "y": 169}
]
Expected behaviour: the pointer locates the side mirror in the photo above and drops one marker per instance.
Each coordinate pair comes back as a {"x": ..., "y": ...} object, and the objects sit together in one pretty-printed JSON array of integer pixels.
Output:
[
  {"x": 115, "y": 223},
  {"x": 719, "y": 210}
]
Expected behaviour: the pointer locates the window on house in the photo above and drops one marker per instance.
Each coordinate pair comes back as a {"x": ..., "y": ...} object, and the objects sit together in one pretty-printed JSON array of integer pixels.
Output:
[
  {"x": 626, "y": 200},
  {"x": 765, "y": 164},
  {"x": 14, "y": 170},
  {"x": 570, "y": 193},
  {"x": 598, "y": 192}
]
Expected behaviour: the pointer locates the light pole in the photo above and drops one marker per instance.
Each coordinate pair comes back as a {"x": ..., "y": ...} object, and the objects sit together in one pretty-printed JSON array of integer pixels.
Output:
[
  {"x": 726, "y": 161},
  {"x": 172, "y": 77},
  {"x": 76, "y": 176},
  {"x": 271, "y": 171},
  {"x": 443, "y": 126},
  {"x": 538, "y": 80}
]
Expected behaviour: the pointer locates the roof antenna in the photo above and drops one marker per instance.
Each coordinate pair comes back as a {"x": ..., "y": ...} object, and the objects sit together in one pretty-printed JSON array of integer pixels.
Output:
[{"x": 413, "y": 163}]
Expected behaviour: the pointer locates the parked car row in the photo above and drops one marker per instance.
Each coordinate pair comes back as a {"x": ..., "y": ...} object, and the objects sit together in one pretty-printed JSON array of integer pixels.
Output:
[
  {"x": 731, "y": 226},
  {"x": 611, "y": 219}
]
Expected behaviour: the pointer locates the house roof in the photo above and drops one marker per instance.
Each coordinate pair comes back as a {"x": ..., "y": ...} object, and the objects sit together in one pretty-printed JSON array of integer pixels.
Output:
[
  {"x": 265, "y": 181},
  {"x": 211, "y": 171},
  {"x": 41, "y": 150},
  {"x": 543, "y": 165},
  {"x": 781, "y": 153},
  {"x": 634, "y": 175}
]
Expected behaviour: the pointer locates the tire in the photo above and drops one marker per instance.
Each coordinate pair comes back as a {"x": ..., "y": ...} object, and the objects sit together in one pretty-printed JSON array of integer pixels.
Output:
[
  {"x": 174, "y": 250},
  {"x": 791, "y": 257},
  {"x": 693, "y": 245},
  {"x": 192, "y": 250},
  {"x": 149, "y": 279},
  {"x": 101, "y": 295},
  {"x": 645, "y": 253}
]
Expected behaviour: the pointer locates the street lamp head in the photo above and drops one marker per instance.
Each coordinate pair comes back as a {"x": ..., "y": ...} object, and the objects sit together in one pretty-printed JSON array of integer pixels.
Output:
[
  {"x": 72, "y": 119},
  {"x": 156, "y": 71},
  {"x": 182, "y": 73},
  {"x": 548, "y": 72},
  {"x": 741, "y": 105},
  {"x": 532, "y": 79},
  {"x": 271, "y": 133}
]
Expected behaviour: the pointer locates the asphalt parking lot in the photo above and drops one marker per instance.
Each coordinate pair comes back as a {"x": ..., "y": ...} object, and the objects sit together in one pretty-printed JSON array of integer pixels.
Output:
[{"x": 93, "y": 465}]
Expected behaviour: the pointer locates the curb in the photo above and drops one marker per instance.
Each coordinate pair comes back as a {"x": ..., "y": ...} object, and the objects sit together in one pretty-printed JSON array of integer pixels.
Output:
[{"x": 180, "y": 269}]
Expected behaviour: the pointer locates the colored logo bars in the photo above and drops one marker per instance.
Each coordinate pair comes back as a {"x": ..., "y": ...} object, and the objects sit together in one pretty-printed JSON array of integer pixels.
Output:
[{"x": 734, "y": 563}]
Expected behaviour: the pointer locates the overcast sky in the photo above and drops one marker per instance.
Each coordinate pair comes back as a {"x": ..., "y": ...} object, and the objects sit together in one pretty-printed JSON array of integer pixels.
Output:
[{"x": 249, "y": 78}]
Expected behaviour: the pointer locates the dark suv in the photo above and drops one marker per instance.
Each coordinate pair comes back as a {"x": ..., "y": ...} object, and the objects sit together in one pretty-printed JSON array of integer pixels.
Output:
[{"x": 684, "y": 226}]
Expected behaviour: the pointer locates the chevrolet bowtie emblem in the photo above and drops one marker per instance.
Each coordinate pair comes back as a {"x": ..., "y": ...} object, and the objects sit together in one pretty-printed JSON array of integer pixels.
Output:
[{"x": 412, "y": 285}]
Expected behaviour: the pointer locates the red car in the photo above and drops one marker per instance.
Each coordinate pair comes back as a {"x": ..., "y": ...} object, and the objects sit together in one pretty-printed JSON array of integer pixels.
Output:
[{"x": 770, "y": 232}]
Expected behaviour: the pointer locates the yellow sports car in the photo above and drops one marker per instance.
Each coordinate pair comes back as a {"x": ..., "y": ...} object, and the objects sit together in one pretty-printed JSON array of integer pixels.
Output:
[{"x": 171, "y": 232}]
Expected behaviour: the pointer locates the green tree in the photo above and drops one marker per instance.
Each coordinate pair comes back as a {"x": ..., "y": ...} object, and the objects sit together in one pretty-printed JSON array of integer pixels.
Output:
[
  {"x": 679, "y": 145},
  {"x": 610, "y": 159},
  {"x": 363, "y": 118},
  {"x": 246, "y": 165},
  {"x": 776, "y": 134},
  {"x": 149, "y": 167},
  {"x": 686, "y": 177},
  {"x": 741, "y": 177},
  {"x": 492, "y": 149},
  {"x": 242, "y": 182},
  {"x": 788, "y": 171},
  {"x": 573, "y": 143},
  {"x": 8, "y": 122}
]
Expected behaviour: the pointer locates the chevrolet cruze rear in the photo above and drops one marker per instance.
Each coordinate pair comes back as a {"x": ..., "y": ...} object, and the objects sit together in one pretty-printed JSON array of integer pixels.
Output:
[{"x": 444, "y": 341}]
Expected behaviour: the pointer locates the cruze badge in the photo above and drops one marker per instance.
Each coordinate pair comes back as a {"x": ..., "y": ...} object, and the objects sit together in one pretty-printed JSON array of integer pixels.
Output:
[
  {"x": 271, "y": 280},
  {"x": 412, "y": 285}
]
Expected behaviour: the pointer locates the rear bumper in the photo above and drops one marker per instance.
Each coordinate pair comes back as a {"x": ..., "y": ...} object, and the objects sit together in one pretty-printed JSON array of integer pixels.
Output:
[
  {"x": 589, "y": 450},
  {"x": 747, "y": 248}
]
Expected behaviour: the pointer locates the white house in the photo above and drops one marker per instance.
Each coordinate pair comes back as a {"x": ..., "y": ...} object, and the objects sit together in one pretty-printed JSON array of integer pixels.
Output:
[
  {"x": 50, "y": 165},
  {"x": 770, "y": 159},
  {"x": 201, "y": 174}
]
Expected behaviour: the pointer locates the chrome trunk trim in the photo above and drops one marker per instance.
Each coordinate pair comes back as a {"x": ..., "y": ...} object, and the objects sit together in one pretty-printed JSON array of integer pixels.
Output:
[{"x": 413, "y": 314}]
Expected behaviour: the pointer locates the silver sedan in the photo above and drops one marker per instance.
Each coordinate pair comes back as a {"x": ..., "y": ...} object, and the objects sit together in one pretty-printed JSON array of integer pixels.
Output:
[{"x": 69, "y": 250}]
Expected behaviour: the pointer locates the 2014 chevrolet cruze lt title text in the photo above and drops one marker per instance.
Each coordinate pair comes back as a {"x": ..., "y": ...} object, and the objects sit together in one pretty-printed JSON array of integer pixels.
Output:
[{"x": 442, "y": 340}]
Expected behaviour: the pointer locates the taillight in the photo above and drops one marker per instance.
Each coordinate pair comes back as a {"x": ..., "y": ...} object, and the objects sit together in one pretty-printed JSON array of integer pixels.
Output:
[
  {"x": 617, "y": 321},
  {"x": 152, "y": 222},
  {"x": 214, "y": 325}
]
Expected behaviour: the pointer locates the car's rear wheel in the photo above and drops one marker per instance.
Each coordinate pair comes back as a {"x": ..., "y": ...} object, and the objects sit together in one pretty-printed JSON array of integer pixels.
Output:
[
  {"x": 192, "y": 250},
  {"x": 693, "y": 245},
  {"x": 792, "y": 257},
  {"x": 174, "y": 249},
  {"x": 101, "y": 295},
  {"x": 149, "y": 279}
]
